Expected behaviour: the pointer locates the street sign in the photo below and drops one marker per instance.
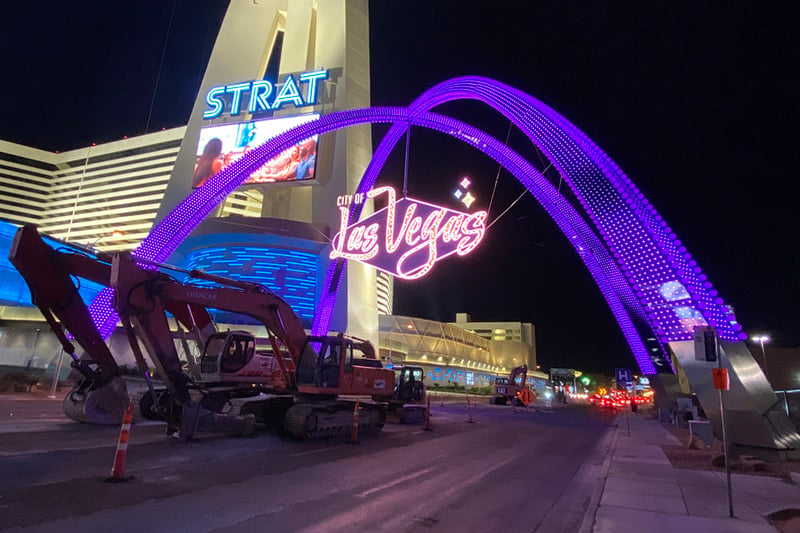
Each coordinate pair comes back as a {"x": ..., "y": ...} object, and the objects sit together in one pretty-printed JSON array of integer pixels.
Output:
[
  {"x": 623, "y": 376},
  {"x": 722, "y": 381},
  {"x": 525, "y": 396}
]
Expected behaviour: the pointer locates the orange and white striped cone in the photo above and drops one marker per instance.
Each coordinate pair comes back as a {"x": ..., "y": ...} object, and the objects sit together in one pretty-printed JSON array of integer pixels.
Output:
[
  {"x": 354, "y": 429},
  {"x": 118, "y": 468},
  {"x": 428, "y": 416}
]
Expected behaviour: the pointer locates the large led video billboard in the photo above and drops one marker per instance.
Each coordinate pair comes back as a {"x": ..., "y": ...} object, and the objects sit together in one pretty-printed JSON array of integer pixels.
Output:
[{"x": 221, "y": 145}]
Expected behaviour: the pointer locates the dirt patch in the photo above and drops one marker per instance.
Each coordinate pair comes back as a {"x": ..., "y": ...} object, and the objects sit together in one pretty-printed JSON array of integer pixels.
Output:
[
  {"x": 787, "y": 521},
  {"x": 682, "y": 456}
]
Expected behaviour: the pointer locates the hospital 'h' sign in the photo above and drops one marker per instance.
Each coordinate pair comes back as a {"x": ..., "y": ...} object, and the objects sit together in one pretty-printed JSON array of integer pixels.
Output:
[{"x": 624, "y": 377}]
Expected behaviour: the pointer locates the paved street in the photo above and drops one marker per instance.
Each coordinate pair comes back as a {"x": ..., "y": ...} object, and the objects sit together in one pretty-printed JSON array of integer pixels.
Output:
[{"x": 509, "y": 471}]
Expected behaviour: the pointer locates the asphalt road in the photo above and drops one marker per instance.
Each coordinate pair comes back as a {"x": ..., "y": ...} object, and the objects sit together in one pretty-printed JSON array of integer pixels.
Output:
[{"x": 508, "y": 471}]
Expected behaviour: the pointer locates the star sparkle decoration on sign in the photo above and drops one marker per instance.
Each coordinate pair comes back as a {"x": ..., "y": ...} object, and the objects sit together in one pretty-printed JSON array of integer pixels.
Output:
[{"x": 462, "y": 193}]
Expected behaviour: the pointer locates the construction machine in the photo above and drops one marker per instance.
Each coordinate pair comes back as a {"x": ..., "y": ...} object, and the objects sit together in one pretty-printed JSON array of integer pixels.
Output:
[
  {"x": 407, "y": 405},
  {"x": 306, "y": 384},
  {"x": 507, "y": 390}
]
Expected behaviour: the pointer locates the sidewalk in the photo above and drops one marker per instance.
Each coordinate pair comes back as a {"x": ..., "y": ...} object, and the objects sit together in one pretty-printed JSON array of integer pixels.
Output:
[{"x": 642, "y": 491}]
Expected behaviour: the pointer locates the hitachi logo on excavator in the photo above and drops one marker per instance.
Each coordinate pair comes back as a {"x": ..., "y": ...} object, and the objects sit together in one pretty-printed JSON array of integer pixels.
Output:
[
  {"x": 427, "y": 233},
  {"x": 201, "y": 295}
]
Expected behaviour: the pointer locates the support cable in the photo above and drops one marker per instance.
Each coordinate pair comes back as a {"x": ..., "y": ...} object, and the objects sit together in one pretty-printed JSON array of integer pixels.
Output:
[
  {"x": 499, "y": 168},
  {"x": 160, "y": 65},
  {"x": 405, "y": 165}
]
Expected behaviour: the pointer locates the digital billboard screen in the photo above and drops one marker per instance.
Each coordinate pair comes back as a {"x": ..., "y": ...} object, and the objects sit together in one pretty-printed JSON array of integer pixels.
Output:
[{"x": 221, "y": 145}]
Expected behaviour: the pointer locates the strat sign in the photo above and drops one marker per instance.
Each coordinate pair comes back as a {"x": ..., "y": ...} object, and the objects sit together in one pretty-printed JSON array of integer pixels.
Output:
[
  {"x": 407, "y": 237},
  {"x": 260, "y": 94}
]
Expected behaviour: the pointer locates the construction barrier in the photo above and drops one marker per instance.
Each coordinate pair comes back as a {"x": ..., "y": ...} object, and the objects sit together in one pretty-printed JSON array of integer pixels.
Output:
[
  {"x": 354, "y": 429},
  {"x": 428, "y": 416},
  {"x": 118, "y": 468}
]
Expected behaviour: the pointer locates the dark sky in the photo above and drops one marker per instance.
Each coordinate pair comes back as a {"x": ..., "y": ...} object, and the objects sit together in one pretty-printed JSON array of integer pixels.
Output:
[{"x": 696, "y": 102}]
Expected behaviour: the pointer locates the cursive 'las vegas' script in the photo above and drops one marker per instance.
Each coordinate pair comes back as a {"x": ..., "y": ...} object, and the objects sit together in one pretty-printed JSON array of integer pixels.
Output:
[{"x": 408, "y": 236}]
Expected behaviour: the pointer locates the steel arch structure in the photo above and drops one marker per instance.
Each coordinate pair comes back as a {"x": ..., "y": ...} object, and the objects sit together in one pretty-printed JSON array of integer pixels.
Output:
[{"x": 650, "y": 281}]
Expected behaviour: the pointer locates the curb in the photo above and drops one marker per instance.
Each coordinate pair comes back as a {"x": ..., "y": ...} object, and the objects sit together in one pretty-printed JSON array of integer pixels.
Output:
[{"x": 591, "y": 510}]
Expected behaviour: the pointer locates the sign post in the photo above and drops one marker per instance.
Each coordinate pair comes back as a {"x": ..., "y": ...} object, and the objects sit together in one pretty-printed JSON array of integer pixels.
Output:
[
  {"x": 706, "y": 340},
  {"x": 54, "y": 386},
  {"x": 623, "y": 376}
]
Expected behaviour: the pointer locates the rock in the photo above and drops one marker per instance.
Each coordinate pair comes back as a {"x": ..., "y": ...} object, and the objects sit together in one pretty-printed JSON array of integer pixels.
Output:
[
  {"x": 751, "y": 462},
  {"x": 696, "y": 443}
]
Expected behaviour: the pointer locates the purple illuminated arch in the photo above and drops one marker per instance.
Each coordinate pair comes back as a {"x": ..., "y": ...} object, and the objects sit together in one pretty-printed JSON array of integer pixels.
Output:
[
  {"x": 650, "y": 256},
  {"x": 630, "y": 251}
]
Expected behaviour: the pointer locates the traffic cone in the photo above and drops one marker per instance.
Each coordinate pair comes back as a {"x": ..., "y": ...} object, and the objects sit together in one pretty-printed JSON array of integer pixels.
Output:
[
  {"x": 469, "y": 410},
  {"x": 118, "y": 468},
  {"x": 428, "y": 416},
  {"x": 354, "y": 429},
  {"x": 441, "y": 399}
]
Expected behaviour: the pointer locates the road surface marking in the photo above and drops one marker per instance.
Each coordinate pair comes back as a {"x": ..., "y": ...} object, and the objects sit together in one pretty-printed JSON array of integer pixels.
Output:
[
  {"x": 393, "y": 483},
  {"x": 404, "y": 435},
  {"x": 312, "y": 452}
]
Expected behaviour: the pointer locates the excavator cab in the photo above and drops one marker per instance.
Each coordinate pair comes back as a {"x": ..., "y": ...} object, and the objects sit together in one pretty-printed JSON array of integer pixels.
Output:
[
  {"x": 322, "y": 360},
  {"x": 409, "y": 387},
  {"x": 329, "y": 365},
  {"x": 228, "y": 354}
]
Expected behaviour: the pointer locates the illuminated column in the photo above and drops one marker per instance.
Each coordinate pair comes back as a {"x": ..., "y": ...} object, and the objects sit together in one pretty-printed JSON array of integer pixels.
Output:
[
  {"x": 332, "y": 35},
  {"x": 349, "y": 151}
]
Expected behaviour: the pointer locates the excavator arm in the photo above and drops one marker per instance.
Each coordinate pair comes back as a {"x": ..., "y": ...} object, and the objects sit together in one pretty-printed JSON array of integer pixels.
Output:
[
  {"x": 49, "y": 275},
  {"x": 101, "y": 396},
  {"x": 521, "y": 373}
]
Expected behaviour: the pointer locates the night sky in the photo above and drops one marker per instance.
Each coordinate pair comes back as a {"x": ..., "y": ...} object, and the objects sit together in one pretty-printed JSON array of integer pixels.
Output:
[{"x": 697, "y": 103}]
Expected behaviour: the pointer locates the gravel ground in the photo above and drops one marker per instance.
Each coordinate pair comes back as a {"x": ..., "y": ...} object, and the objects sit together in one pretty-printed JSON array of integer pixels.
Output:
[{"x": 681, "y": 456}]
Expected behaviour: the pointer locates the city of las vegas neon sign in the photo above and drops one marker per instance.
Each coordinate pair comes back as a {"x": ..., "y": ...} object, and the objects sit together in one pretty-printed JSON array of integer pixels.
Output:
[
  {"x": 408, "y": 236},
  {"x": 260, "y": 91}
]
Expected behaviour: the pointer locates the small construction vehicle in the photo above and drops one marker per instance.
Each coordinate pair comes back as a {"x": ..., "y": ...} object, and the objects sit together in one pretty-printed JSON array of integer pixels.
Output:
[
  {"x": 506, "y": 390},
  {"x": 308, "y": 385},
  {"x": 407, "y": 405}
]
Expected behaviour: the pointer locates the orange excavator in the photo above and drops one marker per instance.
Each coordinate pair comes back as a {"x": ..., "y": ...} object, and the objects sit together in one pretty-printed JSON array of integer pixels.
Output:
[{"x": 306, "y": 384}]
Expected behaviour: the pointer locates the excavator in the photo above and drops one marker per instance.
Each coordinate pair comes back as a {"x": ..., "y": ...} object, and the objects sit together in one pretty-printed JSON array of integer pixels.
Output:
[
  {"x": 308, "y": 385},
  {"x": 407, "y": 403},
  {"x": 507, "y": 389}
]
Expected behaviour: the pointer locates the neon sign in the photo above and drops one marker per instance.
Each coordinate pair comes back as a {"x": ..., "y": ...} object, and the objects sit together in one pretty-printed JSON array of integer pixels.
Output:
[
  {"x": 260, "y": 91},
  {"x": 426, "y": 234}
]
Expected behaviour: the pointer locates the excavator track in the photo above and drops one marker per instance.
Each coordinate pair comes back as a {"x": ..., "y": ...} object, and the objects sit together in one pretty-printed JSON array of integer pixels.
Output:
[{"x": 329, "y": 419}]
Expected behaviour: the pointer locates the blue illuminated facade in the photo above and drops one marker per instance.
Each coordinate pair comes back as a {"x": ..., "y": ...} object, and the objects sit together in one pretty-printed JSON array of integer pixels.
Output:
[
  {"x": 291, "y": 274},
  {"x": 283, "y": 256}
]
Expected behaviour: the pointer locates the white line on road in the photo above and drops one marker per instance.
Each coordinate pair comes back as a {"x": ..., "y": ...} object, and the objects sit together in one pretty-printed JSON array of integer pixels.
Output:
[
  {"x": 312, "y": 452},
  {"x": 404, "y": 435},
  {"x": 393, "y": 483}
]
